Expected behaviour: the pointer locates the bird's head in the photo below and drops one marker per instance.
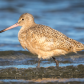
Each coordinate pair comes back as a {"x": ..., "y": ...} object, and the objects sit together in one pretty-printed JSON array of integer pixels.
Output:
[{"x": 25, "y": 20}]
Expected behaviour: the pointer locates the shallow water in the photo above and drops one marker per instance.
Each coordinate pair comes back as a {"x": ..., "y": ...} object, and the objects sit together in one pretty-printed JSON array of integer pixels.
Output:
[
  {"x": 66, "y": 16},
  {"x": 21, "y": 60},
  {"x": 60, "y": 81},
  {"x": 19, "y": 67}
]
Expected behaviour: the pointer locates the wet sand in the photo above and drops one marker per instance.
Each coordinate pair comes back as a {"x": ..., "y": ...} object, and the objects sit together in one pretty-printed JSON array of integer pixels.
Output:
[
  {"x": 10, "y": 72},
  {"x": 50, "y": 72}
]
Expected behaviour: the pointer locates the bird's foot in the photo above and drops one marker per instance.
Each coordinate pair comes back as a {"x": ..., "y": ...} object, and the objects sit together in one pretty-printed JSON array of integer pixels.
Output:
[
  {"x": 37, "y": 67},
  {"x": 57, "y": 67}
]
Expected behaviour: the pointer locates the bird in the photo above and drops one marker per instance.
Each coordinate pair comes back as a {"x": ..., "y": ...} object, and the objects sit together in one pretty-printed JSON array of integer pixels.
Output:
[{"x": 43, "y": 41}]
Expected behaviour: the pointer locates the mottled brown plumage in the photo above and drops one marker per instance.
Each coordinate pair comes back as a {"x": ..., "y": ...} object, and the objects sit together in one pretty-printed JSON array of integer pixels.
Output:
[{"x": 43, "y": 40}]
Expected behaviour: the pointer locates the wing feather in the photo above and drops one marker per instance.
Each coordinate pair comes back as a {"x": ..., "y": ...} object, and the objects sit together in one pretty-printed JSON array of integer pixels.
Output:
[{"x": 47, "y": 39}]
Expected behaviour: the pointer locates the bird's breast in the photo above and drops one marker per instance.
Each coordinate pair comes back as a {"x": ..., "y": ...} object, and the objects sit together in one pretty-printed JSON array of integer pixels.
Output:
[{"x": 24, "y": 39}]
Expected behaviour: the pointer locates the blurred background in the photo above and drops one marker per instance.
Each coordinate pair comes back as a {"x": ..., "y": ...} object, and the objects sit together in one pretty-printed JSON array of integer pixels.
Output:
[{"x": 66, "y": 16}]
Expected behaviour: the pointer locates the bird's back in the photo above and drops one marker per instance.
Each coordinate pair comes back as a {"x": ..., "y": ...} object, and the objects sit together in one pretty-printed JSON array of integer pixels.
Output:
[{"x": 41, "y": 38}]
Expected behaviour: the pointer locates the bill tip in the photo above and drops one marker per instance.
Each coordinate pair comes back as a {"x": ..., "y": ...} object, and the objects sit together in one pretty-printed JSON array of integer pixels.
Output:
[{"x": 1, "y": 31}]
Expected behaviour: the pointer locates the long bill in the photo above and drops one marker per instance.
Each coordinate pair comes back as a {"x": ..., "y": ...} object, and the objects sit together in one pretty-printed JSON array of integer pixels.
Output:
[{"x": 15, "y": 25}]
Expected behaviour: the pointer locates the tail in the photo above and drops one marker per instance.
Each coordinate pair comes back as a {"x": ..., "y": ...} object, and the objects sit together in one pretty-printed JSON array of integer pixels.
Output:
[{"x": 77, "y": 45}]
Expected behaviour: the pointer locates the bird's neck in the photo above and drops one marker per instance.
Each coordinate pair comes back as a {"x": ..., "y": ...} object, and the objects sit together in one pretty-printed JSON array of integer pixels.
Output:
[{"x": 25, "y": 28}]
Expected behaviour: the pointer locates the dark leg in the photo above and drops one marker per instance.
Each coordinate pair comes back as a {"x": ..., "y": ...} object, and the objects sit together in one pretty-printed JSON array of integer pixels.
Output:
[
  {"x": 57, "y": 63},
  {"x": 38, "y": 66}
]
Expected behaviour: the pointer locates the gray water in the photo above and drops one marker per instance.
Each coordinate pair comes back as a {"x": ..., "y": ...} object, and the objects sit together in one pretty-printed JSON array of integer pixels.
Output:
[{"x": 66, "y": 16}]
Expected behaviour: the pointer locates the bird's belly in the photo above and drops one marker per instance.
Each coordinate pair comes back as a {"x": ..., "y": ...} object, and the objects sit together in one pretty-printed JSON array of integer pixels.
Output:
[
  {"x": 30, "y": 48},
  {"x": 42, "y": 53},
  {"x": 49, "y": 54}
]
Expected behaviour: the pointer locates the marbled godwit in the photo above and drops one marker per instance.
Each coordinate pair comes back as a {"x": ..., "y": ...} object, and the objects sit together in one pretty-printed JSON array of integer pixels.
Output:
[{"x": 43, "y": 40}]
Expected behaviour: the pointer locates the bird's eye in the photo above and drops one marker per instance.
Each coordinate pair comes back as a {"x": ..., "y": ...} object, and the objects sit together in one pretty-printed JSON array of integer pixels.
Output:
[{"x": 22, "y": 19}]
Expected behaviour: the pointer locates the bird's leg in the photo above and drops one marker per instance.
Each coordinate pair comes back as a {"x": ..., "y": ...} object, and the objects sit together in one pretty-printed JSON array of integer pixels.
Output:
[
  {"x": 57, "y": 63},
  {"x": 38, "y": 66}
]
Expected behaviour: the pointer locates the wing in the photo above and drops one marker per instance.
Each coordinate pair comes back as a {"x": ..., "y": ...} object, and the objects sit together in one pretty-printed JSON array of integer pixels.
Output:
[{"x": 47, "y": 39}]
